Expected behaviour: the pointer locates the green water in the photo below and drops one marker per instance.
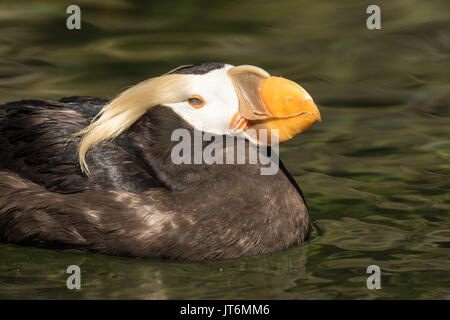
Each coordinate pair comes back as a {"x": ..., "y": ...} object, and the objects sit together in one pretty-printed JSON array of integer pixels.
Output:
[{"x": 375, "y": 172}]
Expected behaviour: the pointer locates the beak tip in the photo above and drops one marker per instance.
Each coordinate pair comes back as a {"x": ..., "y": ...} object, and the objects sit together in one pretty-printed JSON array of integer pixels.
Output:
[{"x": 317, "y": 112}]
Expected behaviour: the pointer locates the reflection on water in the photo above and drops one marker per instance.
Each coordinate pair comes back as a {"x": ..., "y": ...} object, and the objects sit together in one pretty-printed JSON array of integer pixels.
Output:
[
  {"x": 36, "y": 273},
  {"x": 375, "y": 172}
]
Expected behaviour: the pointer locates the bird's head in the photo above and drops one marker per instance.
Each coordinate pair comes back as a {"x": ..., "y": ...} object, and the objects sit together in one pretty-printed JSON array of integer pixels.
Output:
[{"x": 215, "y": 98}]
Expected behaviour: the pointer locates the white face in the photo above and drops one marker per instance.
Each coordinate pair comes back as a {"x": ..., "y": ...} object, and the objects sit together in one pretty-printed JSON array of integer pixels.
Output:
[{"x": 219, "y": 95}]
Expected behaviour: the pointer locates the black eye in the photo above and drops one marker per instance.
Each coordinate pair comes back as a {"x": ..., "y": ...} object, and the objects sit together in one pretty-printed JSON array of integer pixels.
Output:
[{"x": 196, "y": 101}]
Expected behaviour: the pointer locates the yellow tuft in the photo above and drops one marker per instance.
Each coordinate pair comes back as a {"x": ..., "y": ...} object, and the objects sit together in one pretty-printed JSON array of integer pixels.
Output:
[{"x": 123, "y": 111}]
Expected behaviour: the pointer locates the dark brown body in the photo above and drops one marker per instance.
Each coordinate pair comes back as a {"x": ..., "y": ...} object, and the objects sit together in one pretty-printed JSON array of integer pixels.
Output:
[{"x": 138, "y": 203}]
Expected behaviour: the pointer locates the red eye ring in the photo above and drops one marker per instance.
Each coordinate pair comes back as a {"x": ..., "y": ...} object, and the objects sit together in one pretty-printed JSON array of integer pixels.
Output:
[{"x": 196, "y": 101}]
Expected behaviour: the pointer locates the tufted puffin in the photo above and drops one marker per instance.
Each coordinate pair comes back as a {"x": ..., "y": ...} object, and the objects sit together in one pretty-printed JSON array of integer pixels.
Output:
[{"x": 89, "y": 174}]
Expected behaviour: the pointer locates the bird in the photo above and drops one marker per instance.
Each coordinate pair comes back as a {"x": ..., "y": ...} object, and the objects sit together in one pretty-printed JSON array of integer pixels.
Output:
[{"x": 98, "y": 175}]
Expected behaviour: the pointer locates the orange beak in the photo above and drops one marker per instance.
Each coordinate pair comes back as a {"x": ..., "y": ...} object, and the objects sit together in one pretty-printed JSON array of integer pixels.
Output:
[{"x": 269, "y": 103}]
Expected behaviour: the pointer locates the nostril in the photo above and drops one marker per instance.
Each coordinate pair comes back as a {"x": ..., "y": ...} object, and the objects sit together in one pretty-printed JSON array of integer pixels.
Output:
[{"x": 290, "y": 101}]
